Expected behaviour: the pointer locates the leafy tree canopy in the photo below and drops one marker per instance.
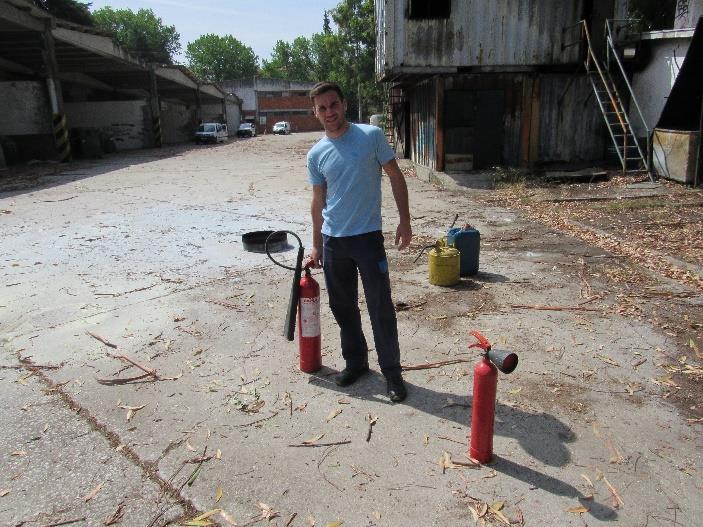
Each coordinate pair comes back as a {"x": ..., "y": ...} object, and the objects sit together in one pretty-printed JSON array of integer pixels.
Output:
[
  {"x": 71, "y": 10},
  {"x": 142, "y": 32},
  {"x": 291, "y": 61},
  {"x": 216, "y": 58}
]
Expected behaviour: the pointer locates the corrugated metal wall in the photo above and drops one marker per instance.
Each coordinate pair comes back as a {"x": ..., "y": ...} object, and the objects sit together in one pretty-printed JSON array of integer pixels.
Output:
[
  {"x": 423, "y": 119},
  {"x": 556, "y": 121},
  {"x": 380, "y": 7},
  {"x": 486, "y": 33},
  {"x": 570, "y": 124}
]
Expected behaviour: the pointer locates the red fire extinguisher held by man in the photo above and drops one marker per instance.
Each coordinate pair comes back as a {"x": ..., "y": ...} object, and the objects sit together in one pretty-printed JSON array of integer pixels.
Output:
[
  {"x": 305, "y": 302},
  {"x": 483, "y": 406}
]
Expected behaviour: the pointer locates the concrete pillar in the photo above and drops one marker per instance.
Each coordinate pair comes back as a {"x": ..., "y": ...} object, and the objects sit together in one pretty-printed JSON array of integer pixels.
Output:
[
  {"x": 53, "y": 87},
  {"x": 198, "y": 106},
  {"x": 155, "y": 109}
]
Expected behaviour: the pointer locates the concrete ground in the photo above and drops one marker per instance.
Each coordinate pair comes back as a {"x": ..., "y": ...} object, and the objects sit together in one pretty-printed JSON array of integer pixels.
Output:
[{"x": 140, "y": 256}]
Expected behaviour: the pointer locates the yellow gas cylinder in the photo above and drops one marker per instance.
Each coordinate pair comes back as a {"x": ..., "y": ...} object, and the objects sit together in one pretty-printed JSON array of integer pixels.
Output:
[{"x": 444, "y": 265}]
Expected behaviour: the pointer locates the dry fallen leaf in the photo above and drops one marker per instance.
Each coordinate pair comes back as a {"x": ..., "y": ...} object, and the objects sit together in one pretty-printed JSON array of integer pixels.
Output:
[
  {"x": 337, "y": 523},
  {"x": 590, "y": 483},
  {"x": 491, "y": 474},
  {"x": 483, "y": 510},
  {"x": 376, "y": 515},
  {"x": 333, "y": 414},
  {"x": 202, "y": 520},
  {"x": 218, "y": 455},
  {"x": 93, "y": 492},
  {"x": 228, "y": 518},
  {"x": 313, "y": 440},
  {"x": 267, "y": 513},
  {"x": 218, "y": 494},
  {"x": 4, "y": 492},
  {"x": 578, "y": 510}
]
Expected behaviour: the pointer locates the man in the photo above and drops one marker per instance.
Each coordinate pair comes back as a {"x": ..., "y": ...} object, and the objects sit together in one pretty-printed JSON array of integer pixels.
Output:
[{"x": 344, "y": 168}]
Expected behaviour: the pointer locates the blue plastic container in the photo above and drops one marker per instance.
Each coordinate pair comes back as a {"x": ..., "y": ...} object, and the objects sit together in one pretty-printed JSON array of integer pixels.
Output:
[{"x": 468, "y": 241}]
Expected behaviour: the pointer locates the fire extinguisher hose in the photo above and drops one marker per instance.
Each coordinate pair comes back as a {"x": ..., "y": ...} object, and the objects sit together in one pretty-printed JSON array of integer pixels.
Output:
[{"x": 289, "y": 325}]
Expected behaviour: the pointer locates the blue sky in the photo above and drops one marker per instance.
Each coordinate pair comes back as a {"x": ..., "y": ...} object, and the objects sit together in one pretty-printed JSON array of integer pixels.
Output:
[{"x": 256, "y": 23}]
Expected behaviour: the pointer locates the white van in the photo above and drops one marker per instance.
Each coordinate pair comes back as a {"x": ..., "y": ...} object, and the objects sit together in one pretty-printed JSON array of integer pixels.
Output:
[
  {"x": 211, "y": 133},
  {"x": 281, "y": 127}
]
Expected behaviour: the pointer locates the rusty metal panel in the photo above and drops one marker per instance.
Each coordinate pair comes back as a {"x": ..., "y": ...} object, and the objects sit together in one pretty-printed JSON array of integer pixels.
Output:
[
  {"x": 570, "y": 125},
  {"x": 484, "y": 33},
  {"x": 423, "y": 123}
]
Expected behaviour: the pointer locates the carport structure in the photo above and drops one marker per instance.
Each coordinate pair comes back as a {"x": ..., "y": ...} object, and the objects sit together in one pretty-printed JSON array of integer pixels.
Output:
[{"x": 56, "y": 77}]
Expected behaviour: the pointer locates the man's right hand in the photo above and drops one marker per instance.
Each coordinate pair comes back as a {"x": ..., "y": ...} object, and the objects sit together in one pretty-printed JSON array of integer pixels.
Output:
[{"x": 316, "y": 257}]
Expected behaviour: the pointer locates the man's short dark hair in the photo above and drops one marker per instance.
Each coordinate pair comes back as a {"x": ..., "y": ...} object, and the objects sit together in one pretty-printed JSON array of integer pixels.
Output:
[{"x": 324, "y": 87}]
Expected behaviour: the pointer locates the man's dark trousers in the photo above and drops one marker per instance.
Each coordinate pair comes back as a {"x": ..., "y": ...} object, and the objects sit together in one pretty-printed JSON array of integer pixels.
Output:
[{"x": 344, "y": 259}]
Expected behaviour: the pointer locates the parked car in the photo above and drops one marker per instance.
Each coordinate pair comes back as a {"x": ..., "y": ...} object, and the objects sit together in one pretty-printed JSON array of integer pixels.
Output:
[
  {"x": 282, "y": 127},
  {"x": 211, "y": 133},
  {"x": 246, "y": 130}
]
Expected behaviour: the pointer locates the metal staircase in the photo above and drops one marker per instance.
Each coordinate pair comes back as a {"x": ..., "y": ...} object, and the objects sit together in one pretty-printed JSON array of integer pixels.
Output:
[
  {"x": 604, "y": 80},
  {"x": 394, "y": 101}
]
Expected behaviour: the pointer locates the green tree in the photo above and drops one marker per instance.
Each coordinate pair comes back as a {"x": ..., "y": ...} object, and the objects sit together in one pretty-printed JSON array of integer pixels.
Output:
[
  {"x": 290, "y": 61},
  {"x": 356, "y": 29},
  {"x": 142, "y": 32},
  {"x": 71, "y": 10},
  {"x": 217, "y": 58}
]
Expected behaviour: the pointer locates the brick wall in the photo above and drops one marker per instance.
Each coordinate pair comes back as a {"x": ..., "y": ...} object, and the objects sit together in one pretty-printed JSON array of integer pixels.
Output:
[
  {"x": 298, "y": 122},
  {"x": 294, "y": 102}
]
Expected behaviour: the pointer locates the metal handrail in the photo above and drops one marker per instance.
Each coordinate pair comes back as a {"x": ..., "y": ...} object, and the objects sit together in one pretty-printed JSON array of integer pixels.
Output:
[
  {"x": 590, "y": 55},
  {"x": 611, "y": 45}
]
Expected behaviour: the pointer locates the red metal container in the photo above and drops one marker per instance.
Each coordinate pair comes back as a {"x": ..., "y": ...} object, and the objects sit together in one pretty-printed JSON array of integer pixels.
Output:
[
  {"x": 483, "y": 409},
  {"x": 309, "y": 340}
]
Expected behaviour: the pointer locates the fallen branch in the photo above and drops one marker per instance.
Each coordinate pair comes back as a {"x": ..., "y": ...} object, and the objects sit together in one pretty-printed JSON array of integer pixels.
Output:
[
  {"x": 65, "y": 522},
  {"x": 125, "y": 358},
  {"x": 258, "y": 420},
  {"x": 290, "y": 520},
  {"x": 27, "y": 361},
  {"x": 124, "y": 380},
  {"x": 553, "y": 308},
  {"x": 101, "y": 339},
  {"x": 223, "y": 303},
  {"x": 313, "y": 445},
  {"x": 617, "y": 500},
  {"x": 127, "y": 292},
  {"x": 430, "y": 365},
  {"x": 372, "y": 421}
]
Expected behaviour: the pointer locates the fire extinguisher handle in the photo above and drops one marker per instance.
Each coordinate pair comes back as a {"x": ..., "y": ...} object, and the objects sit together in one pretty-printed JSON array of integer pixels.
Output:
[{"x": 482, "y": 341}]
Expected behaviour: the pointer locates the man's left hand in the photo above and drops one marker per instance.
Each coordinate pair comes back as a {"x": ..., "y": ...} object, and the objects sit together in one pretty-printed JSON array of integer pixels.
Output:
[{"x": 403, "y": 235}]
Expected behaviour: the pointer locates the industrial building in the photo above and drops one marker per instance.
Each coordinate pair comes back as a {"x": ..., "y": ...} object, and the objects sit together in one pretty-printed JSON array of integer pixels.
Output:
[
  {"x": 267, "y": 101},
  {"x": 482, "y": 83},
  {"x": 68, "y": 90}
]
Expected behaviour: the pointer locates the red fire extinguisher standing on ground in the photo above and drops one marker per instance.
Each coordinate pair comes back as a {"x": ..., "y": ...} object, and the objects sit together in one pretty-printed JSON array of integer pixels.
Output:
[
  {"x": 309, "y": 341},
  {"x": 483, "y": 406},
  {"x": 305, "y": 301}
]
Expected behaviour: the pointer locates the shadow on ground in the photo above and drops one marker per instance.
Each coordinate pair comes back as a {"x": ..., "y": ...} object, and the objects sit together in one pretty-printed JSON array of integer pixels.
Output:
[{"x": 540, "y": 435}]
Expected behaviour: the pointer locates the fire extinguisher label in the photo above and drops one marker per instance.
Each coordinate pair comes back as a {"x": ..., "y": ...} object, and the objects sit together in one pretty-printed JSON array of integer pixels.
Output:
[{"x": 310, "y": 317}]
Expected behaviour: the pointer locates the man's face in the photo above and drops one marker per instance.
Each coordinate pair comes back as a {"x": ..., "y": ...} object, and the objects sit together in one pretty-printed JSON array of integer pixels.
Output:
[{"x": 329, "y": 110}]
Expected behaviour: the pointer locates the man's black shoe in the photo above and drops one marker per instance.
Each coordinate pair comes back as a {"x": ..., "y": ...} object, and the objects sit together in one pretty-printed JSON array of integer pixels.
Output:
[
  {"x": 350, "y": 375},
  {"x": 396, "y": 389}
]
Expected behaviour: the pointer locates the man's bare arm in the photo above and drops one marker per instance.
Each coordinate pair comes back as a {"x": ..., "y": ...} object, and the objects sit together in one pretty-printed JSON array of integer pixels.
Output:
[
  {"x": 319, "y": 199},
  {"x": 404, "y": 233}
]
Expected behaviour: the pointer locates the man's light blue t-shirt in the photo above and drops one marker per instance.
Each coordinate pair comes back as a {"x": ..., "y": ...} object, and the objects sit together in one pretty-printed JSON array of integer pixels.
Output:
[{"x": 350, "y": 166}]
